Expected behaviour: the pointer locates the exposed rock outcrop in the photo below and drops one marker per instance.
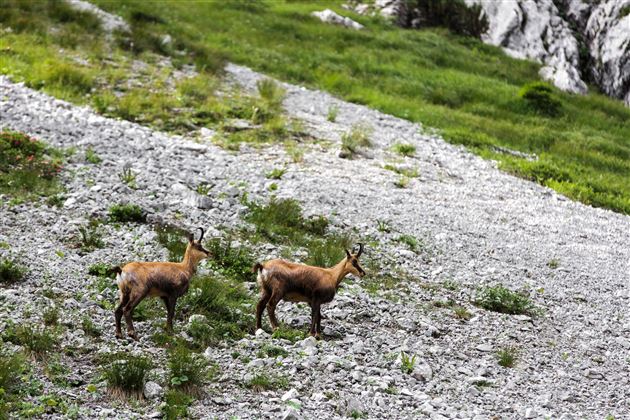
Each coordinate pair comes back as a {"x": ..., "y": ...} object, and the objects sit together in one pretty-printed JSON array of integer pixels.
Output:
[
  {"x": 577, "y": 41},
  {"x": 328, "y": 16}
]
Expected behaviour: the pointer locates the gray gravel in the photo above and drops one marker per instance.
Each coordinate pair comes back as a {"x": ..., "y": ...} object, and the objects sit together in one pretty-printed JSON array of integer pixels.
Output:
[{"x": 476, "y": 224}]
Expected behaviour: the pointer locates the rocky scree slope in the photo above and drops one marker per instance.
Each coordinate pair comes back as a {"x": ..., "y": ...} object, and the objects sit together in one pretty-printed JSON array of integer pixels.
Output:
[
  {"x": 577, "y": 41},
  {"x": 478, "y": 226}
]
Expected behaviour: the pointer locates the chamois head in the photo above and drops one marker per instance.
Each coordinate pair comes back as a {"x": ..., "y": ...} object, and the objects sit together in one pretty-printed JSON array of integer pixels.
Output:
[
  {"x": 352, "y": 262},
  {"x": 195, "y": 250}
]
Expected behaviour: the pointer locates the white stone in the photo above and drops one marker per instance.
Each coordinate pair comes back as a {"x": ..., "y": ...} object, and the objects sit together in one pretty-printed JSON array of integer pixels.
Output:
[
  {"x": 328, "y": 16},
  {"x": 152, "y": 390}
]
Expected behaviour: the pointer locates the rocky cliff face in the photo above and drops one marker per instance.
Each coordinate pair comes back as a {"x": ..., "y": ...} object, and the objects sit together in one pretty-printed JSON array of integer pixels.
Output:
[{"x": 575, "y": 40}]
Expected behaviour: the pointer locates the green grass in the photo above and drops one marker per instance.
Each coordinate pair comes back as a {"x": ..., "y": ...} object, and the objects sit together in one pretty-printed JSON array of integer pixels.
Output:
[
  {"x": 90, "y": 236},
  {"x": 468, "y": 90},
  {"x": 327, "y": 251},
  {"x": 234, "y": 262},
  {"x": 407, "y": 363},
  {"x": 404, "y": 149},
  {"x": 287, "y": 333},
  {"x": 356, "y": 139},
  {"x": 125, "y": 374},
  {"x": 501, "y": 299},
  {"x": 507, "y": 356},
  {"x": 28, "y": 167},
  {"x": 12, "y": 367},
  {"x": 267, "y": 350},
  {"x": 265, "y": 382},
  {"x": 176, "y": 404},
  {"x": 37, "y": 342},
  {"x": 187, "y": 370},
  {"x": 125, "y": 213},
  {"x": 11, "y": 272}
]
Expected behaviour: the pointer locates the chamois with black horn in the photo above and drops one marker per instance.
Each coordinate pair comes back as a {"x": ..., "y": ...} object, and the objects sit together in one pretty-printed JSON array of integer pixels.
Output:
[
  {"x": 168, "y": 280},
  {"x": 291, "y": 282}
]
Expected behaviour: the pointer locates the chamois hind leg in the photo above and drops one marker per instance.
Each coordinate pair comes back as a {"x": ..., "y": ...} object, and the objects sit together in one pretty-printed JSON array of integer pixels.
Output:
[
  {"x": 271, "y": 309},
  {"x": 260, "y": 307},
  {"x": 134, "y": 300},
  {"x": 124, "y": 299},
  {"x": 319, "y": 321},
  {"x": 169, "y": 304}
]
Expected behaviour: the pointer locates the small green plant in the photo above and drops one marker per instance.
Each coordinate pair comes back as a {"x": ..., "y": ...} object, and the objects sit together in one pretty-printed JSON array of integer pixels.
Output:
[
  {"x": 402, "y": 182},
  {"x": 404, "y": 149},
  {"x": 462, "y": 313},
  {"x": 507, "y": 356},
  {"x": 408, "y": 172},
  {"x": 271, "y": 93},
  {"x": 10, "y": 271},
  {"x": 11, "y": 368},
  {"x": 275, "y": 173},
  {"x": 92, "y": 157},
  {"x": 407, "y": 364},
  {"x": 128, "y": 177},
  {"x": 264, "y": 382},
  {"x": 267, "y": 350},
  {"x": 501, "y": 299},
  {"x": 90, "y": 236},
  {"x": 176, "y": 404},
  {"x": 125, "y": 374},
  {"x": 102, "y": 270},
  {"x": 383, "y": 226},
  {"x": 37, "y": 342},
  {"x": 357, "y": 138},
  {"x": 332, "y": 113},
  {"x": 287, "y": 333},
  {"x": 272, "y": 187},
  {"x": 126, "y": 213},
  {"x": 327, "y": 251},
  {"x": 203, "y": 188},
  {"x": 294, "y": 151},
  {"x": 553, "y": 263},
  {"x": 540, "y": 98},
  {"x": 231, "y": 261},
  {"x": 51, "y": 316},
  {"x": 89, "y": 328},
  {"x": 411, "y": 241},
  {"x": 187, "y": 370}
]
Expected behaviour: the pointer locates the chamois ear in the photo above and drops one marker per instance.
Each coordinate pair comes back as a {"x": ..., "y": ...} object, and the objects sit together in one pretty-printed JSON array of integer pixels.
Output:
[{"x": 348, "y": 254}]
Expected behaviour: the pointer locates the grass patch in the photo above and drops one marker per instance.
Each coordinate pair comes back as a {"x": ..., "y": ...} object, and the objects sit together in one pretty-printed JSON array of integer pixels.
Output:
[
  {"x": 92, "y": 157},
  {"x": 327, "y": 251},
  {"x": 407, "y": 363},
  {"x": 28, "y": 168},
  {"x": 356, "y": 139},
  {"x": 404, "y": 149},
  {"x": 507, "y": 356},
  {"x": 12, "y": 367},
  {"x": 281, "y": 221},
  {"x": 331, "y": 115},
  {"x": 267, "y": 350},
  {"x": 37, "y": 342},
  {"x": 405, "y": 172},
  {"x": 51, "y": 316},
  {"x": 128, "y": 177},
  {"x": 411, "y": 241},
  {"x": 501, "y": 299},
  {"x": 172, "y": 238},
  {"x": 11, "y": 272},
  {"x": 266, "y": 382},
  {"x": 125, "y": 374},
  {"x": 275, "y": 173},
  {"x": 90, "y": 236},
  {"x": 187, "y": 370},
  {"x": 284, "y": 332},
  {"x": 125, "y": 213},
  {"x": 226, "y": 305},
  {"x": 460, "y": 312},
  {"x": 176, "y": 404},
  {"x": 89, "y": 328},
  {"x": 232, "y": 262},
  {"x": 102, "y": 270}
]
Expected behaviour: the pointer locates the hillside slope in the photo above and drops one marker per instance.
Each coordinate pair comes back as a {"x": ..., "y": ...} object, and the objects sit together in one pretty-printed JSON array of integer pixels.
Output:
[{"x": 477, "y": 226}]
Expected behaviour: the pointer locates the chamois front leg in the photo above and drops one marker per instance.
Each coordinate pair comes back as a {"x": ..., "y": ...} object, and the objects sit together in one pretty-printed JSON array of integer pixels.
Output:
[
  {"x": 260, "y": 308},
  {"x": 315, "y": 320},
  {"x": 319, "y": 321},
  {"x": 170, "y": 303},
  {"x": 124, "y": 299}
]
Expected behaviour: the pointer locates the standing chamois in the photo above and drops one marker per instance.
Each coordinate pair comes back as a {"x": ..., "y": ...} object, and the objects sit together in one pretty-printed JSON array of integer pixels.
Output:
[
  {"x": 167, "y": 280},
  {"x": 283, "y": 280}
]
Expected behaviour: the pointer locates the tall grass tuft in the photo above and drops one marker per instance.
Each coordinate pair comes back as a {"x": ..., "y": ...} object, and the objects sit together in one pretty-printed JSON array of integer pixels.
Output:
[{"x": 125, "y": 374}]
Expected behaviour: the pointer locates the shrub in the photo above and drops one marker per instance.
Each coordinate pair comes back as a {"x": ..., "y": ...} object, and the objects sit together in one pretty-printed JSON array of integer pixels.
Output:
[
  {"x": 10, "y": 271},
  {"x": 187, "y": 370},
  {"x": 124, "y": 213},
  {"x": 404, "y": 149},
  {"x": 11, "y": 368},
  {"x": 453, "y": 14},
  {"x": 37, "y": 342},
  {"x": 102, "y": 270},
  {"x": 507, "y": 356},
  {"x": 265, "y": 382},
  {"x": 540, "y": 98},
  {"x": 501, "y": 299},
  {"x": 172, "y": 238},
  {"x": 51, "y": 316},
  {"x": 332, "y": 113},
  {"x": 125, "y": 374},
  {"x": 267, "y": 350}
]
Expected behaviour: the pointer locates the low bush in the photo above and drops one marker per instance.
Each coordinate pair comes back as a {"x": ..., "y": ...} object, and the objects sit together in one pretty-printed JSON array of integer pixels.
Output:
[
  {"x": 187, "y": 370},
  {"x": 404, "y": 149},
  {"x": 540, "y": 98},
  {"x": 125, "y": 374},
  {"x": 455, "y": 15},
  {"x": 233, "y": 262},
  {"x": 265, "y": 382},
  {"x": 327, "y": 251},
  {"x": 501, "y": 299},
  {"x": 36, "y": 341},
  {"x": 176, "y": 404},
  {"x": 10, "y": 271},
  {"x": 124, "y": 213}
]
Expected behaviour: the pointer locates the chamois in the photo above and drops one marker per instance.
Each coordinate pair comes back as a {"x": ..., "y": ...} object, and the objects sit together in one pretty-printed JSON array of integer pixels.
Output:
[
  {"x": 167, "y": 280},
  {"x": 283, "y": 280}
]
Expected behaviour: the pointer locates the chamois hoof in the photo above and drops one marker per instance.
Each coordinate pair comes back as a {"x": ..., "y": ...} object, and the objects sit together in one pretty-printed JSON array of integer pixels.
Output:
[
  {"x": 133, "y": 335},
  {"x": 119, "y": 335}
]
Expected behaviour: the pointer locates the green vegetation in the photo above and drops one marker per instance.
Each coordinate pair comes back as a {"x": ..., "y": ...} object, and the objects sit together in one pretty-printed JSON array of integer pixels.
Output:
[
  {"x": 12, "y": 366},
  {"x": 404, "y": 149},
  {"x": 460, "y": 312},
  {"x": 411, "y": 241},
  {"x": 176, "y": 404},
  {"x": 265, "y": 382},
  {"x": 406, "y": 172},
  {"x": 507, "y": 357},
  {"x": 553, "y": 263},
  {"x": 356, "y": 139},
  {"x": 276, "y": 173},
  {"x": 36, "y": 341},
  {"x": 102, "y": 270},
  {"x": 232, "y": 262},
  {"x": 92, "y": 157},
  {"x": 28, "y": 168},
  {"x": 501, "y": 299},
  {"x": 407, "y": 364},
  {"x": 267, "y": 350},
  {"x": 172, "y": 238},
  {"x": 402, "y": 182},
  {"x": 125, "y": 374},
  {"x": 284, "y": 332},
  {"x": 452, "y": 14},
  {"x": 89, "y": 328},
  {"x": 540, "y": 99},
  {"x": 468, "y": 90},
  {"x": 332, "y": 113},
  {"x": 327, "y": 251},
  {"x": 10, "y": 271},
  {"x": 128, "y": 176},
  {"x": 125, "y": 213},
  {"x": 90, "y": 236},
  {"x": 187, "y": 370},
  {"x": 51, "y": 316}
]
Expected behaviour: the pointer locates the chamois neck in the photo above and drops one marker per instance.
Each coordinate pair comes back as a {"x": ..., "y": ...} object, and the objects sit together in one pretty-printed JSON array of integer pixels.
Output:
[
  {"x": 189, "y": 262},
  {"x": 339, "y": 271}
]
